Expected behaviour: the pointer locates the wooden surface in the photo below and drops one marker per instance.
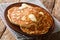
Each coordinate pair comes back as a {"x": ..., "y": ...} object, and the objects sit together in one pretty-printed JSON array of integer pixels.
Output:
[
  {"x": 49, "y": 4},
  {"x": 2, "y": 28},
  {"x": 56, "y": 10},
  {"x": 5, "y": 34}
]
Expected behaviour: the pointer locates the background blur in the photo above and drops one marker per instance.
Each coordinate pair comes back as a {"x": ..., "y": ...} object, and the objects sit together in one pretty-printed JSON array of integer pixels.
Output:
[{"x": 52, "y": 5}]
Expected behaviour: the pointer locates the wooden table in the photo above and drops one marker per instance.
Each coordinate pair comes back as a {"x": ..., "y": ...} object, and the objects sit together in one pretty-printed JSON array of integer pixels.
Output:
[{"x": 5, "y": 34}]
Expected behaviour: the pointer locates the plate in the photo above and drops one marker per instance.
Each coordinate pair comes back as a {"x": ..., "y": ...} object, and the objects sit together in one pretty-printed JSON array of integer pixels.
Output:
[{"x": 17, "y": 28}]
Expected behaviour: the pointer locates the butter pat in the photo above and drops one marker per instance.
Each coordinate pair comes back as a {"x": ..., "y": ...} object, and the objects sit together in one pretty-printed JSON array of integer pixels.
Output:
[
  {"x": 32, "y": 17},
  {"x": 41, "y": 13},
  {"x": 23, "y": 6}
]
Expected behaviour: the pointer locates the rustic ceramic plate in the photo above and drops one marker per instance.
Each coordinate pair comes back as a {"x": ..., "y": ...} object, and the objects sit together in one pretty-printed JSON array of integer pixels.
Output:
[{"x": 16, "y": 27}]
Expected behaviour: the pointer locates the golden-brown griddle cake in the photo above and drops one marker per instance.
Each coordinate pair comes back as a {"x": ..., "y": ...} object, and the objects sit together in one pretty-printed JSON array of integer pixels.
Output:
[{"x": 32, "y": 20}]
